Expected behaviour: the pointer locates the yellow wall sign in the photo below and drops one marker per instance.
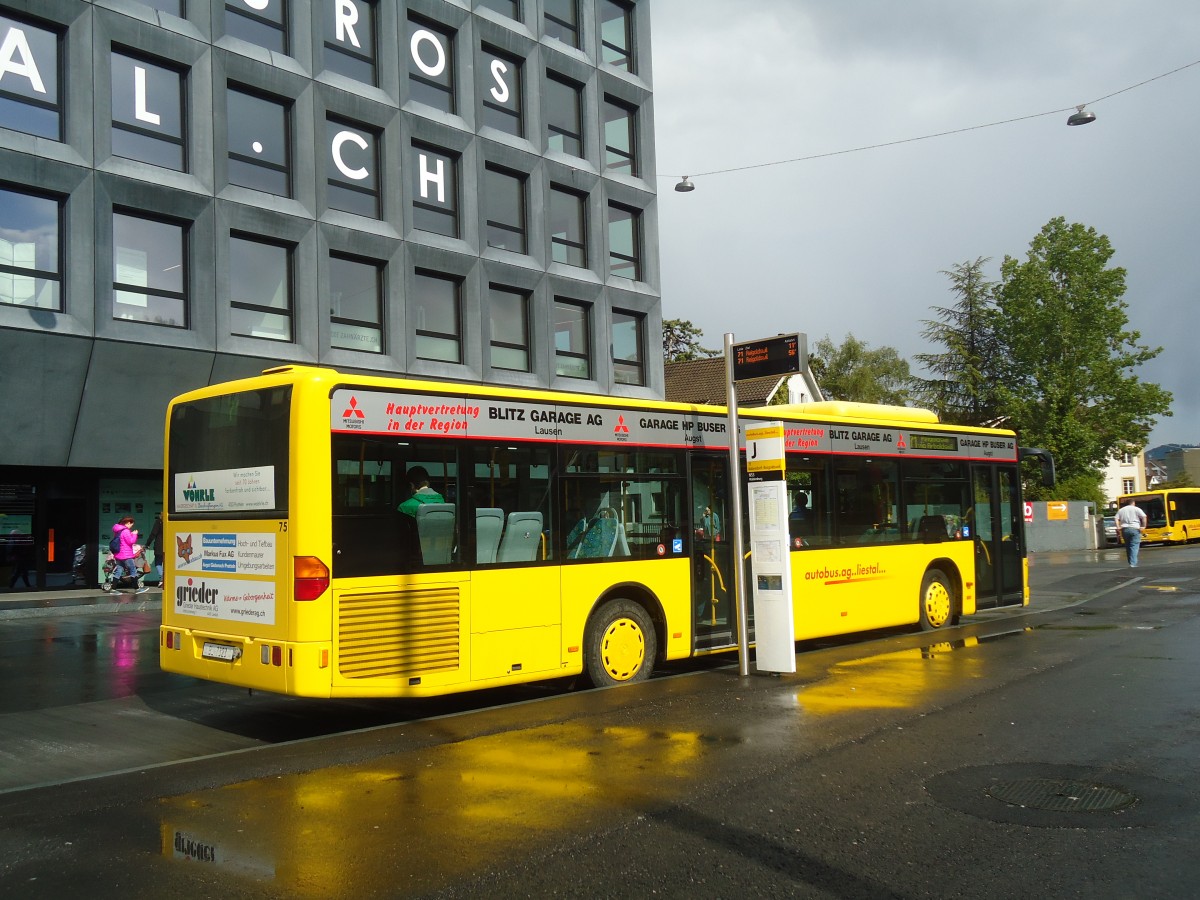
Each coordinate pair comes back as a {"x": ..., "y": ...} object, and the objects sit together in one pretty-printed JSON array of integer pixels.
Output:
[{"x": 1056, "y": 510}]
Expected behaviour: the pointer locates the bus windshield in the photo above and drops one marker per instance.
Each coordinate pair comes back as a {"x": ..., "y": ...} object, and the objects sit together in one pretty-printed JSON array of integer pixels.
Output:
[{"x": 229, "y": 454}]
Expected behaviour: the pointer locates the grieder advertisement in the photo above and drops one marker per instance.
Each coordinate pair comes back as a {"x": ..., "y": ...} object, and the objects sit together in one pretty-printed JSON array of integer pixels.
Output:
[{"x": 226, "y": 574}]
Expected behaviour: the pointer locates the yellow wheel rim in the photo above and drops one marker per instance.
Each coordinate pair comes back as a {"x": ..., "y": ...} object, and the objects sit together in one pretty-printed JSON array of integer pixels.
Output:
[
  {"x": 623, "y": 649},
  {"x": 937, "y": 604}
]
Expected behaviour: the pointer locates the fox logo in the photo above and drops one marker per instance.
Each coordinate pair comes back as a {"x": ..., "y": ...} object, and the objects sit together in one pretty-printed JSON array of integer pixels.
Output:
[{"x": 183, "y": 548}]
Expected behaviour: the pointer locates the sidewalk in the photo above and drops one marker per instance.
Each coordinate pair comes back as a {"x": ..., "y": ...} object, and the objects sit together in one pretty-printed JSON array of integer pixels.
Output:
[{"x": 28, "y": 604}]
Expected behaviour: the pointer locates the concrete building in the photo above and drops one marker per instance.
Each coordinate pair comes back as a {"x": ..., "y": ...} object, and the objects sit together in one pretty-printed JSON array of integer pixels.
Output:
[
  {"x": 1183, "y": 461},
  {"x": 195, "y": 190}
]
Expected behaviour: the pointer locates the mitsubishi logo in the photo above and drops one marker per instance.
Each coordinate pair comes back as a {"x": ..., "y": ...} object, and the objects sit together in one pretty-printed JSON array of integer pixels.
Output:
[
  {"x": 353, "y": 411},
  {"x": 621, "y": 427}
]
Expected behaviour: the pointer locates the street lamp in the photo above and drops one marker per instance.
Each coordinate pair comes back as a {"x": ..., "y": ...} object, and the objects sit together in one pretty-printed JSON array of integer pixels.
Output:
[
  {"x": 1079, "y": 117},
  {"x": 684, "y": 186}
]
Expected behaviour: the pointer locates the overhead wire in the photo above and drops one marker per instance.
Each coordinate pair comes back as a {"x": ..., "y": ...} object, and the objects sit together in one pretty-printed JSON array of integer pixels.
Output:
[{"x": 927, "y": 137}]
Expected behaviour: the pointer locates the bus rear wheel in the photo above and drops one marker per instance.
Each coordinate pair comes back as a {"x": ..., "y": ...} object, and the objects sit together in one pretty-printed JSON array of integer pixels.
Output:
[
  {"x": 620, "y": 644},
  {"x": 937, "y": 601}
]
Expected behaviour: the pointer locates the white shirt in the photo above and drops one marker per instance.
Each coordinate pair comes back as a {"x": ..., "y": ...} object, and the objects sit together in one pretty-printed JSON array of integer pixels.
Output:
[{"x": 1130, "y": 516}]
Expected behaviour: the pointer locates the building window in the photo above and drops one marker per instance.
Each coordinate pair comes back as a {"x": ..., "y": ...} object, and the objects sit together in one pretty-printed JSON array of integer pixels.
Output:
[
  {"x": 437, "y": 318},
  {"x": 624, "y": 241},
  {"x": 260, "y": 289},
  {"x": 564, "y": 120},
  {"x": 628, "y": 347},
  {"x": 147, "y": 107},
  {"x": 261, "y": 22},
  {"x": 431, "y": 66},
  {"x": 29, "y": 64},
  {"x": 567, "y": 230},
  {"x": 510, "y": 8},
  {"x": 562, "y": 21},
  {"x": 30, "y": 267},
  {"x": 353, "y": 185},
  {"x": 572, "y": 338},
  {"x": 1127, "y": 458},
  {"x": 616, "y": 34},
  {"x": 355, "y": 304},
  {"x": 619, "y": 137},
  {"x": 1128, "y": 486},
  {"x": 435, "y": 207},
  {"x": 508, "y": 312},
  {"x": 258, "y": 143},
  {"x": 502, "y": 93},
  {"x": 350, "y": 39},
  {"x": 504, "y": 200},
  {"x": 149, "y": 271}
]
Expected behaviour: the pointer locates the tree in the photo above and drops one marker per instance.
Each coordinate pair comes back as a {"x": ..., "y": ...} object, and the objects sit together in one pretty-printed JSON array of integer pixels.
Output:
[
  {"x": 681, "y": 341},
  {"x": 856, "y": 372},
  {"x": 1067, "y": 379},
  {"x": 963, "y": 390}
]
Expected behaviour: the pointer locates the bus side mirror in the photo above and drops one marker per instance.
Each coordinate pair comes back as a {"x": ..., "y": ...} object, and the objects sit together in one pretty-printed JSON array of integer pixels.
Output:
[{"x": 1044, "y": 458}]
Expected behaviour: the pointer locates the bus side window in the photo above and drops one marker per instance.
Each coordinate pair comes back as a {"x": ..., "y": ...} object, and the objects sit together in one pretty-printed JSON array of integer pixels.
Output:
[{"x": 509, "y": 504}]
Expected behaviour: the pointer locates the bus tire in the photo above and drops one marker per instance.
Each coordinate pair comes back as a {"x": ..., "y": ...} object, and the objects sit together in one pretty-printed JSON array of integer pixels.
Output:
[
  {"x": 937, "y": 602},
  {"x": 619, "y": 644}
]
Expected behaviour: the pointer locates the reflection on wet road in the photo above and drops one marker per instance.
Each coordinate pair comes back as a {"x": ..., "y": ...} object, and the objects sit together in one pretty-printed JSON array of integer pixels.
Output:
[{"x": 425, "y": 819}]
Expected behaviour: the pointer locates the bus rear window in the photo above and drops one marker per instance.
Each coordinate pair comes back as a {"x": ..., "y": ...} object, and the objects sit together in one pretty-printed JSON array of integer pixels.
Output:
[{"x": 228, "y": 455}]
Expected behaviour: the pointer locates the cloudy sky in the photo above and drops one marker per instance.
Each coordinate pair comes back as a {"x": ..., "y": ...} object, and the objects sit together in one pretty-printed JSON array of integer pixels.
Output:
[{"x": 856, "y": 242}]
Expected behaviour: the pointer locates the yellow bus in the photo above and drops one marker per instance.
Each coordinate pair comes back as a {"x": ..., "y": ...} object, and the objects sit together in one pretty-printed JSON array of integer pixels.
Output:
[
  {"x": 1172, "y": 515},
  {"x": 346, "y": 536}
]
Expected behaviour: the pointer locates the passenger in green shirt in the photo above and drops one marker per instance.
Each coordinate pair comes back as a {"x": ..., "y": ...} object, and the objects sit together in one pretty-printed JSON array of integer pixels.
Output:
[{"x": 422, "y": 493}]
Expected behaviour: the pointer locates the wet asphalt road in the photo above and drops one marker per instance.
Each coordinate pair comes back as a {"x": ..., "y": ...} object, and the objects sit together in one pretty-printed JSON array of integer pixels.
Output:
[{"x": 1051, "y": 753}]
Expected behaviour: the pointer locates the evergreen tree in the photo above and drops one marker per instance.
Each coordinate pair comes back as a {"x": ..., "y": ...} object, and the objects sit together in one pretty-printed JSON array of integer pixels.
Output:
[
  {"x": 1067, "y": 358},
  {"x": 681, "y": 341}
]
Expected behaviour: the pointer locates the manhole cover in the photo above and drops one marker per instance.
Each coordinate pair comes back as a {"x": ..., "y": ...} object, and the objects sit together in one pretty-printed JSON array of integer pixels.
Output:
[{"x": 1061, "y": 795}]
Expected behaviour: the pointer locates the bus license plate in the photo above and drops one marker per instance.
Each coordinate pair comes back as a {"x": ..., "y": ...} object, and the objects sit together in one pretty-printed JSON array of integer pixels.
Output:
[{"x": 221, "y": 651}]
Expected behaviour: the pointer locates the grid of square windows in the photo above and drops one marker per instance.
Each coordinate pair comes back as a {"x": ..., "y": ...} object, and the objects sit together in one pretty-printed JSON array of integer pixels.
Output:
[{"x": 265, "y": 120}]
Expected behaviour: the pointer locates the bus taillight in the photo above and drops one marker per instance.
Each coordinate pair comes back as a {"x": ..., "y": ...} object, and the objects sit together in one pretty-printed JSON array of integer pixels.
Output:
[{"x": 310, "y": 578}]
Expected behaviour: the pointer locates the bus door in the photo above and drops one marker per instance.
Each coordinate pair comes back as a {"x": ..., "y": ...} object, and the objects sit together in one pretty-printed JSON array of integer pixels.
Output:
[
  {"x": 999, "y": 544},
  {"x": 712, "y": 551}
]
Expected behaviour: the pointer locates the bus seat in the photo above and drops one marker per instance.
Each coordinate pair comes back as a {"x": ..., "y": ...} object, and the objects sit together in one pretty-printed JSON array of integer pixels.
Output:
[
  {"x": 489, "y": 522},
  {"x": 435, "y": 527},
  {"x": 522, "y": 537},
  {"x": 620, "y": 546},
  {"x": 932, "y": 528}
]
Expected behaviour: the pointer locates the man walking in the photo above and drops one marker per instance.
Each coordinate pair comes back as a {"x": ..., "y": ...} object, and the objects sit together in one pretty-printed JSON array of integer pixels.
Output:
[{"x": 1132, "y": 522}]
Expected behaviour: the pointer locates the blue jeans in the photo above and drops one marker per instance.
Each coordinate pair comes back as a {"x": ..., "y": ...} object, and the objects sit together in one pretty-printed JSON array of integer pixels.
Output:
[
  {"x": 130, "y": 566},
  {"x": 1133, "y": 540}
]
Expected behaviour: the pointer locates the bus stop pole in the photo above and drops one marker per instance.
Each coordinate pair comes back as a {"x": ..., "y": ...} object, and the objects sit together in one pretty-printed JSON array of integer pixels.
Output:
[{"x": 735, "y": 511}]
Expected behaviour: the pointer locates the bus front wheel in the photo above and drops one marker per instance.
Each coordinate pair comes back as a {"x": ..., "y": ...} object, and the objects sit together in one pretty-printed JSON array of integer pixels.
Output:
[
  {"x": 937, "y": 601},
  {"x": 620, "y": 644}
]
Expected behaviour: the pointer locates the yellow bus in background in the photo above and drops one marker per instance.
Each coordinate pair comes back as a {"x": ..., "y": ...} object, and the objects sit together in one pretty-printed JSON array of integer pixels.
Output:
[
  {"x": 1172, "y": 515},
  {"x": 346, "y": 536}
]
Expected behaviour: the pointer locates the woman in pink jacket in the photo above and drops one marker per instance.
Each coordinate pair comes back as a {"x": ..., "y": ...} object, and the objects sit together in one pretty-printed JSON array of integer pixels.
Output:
[{"x": 129, "y": 549}]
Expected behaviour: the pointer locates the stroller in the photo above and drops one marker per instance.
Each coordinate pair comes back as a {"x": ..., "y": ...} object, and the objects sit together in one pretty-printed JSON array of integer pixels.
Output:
[{"x": 116, "y": 579}]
